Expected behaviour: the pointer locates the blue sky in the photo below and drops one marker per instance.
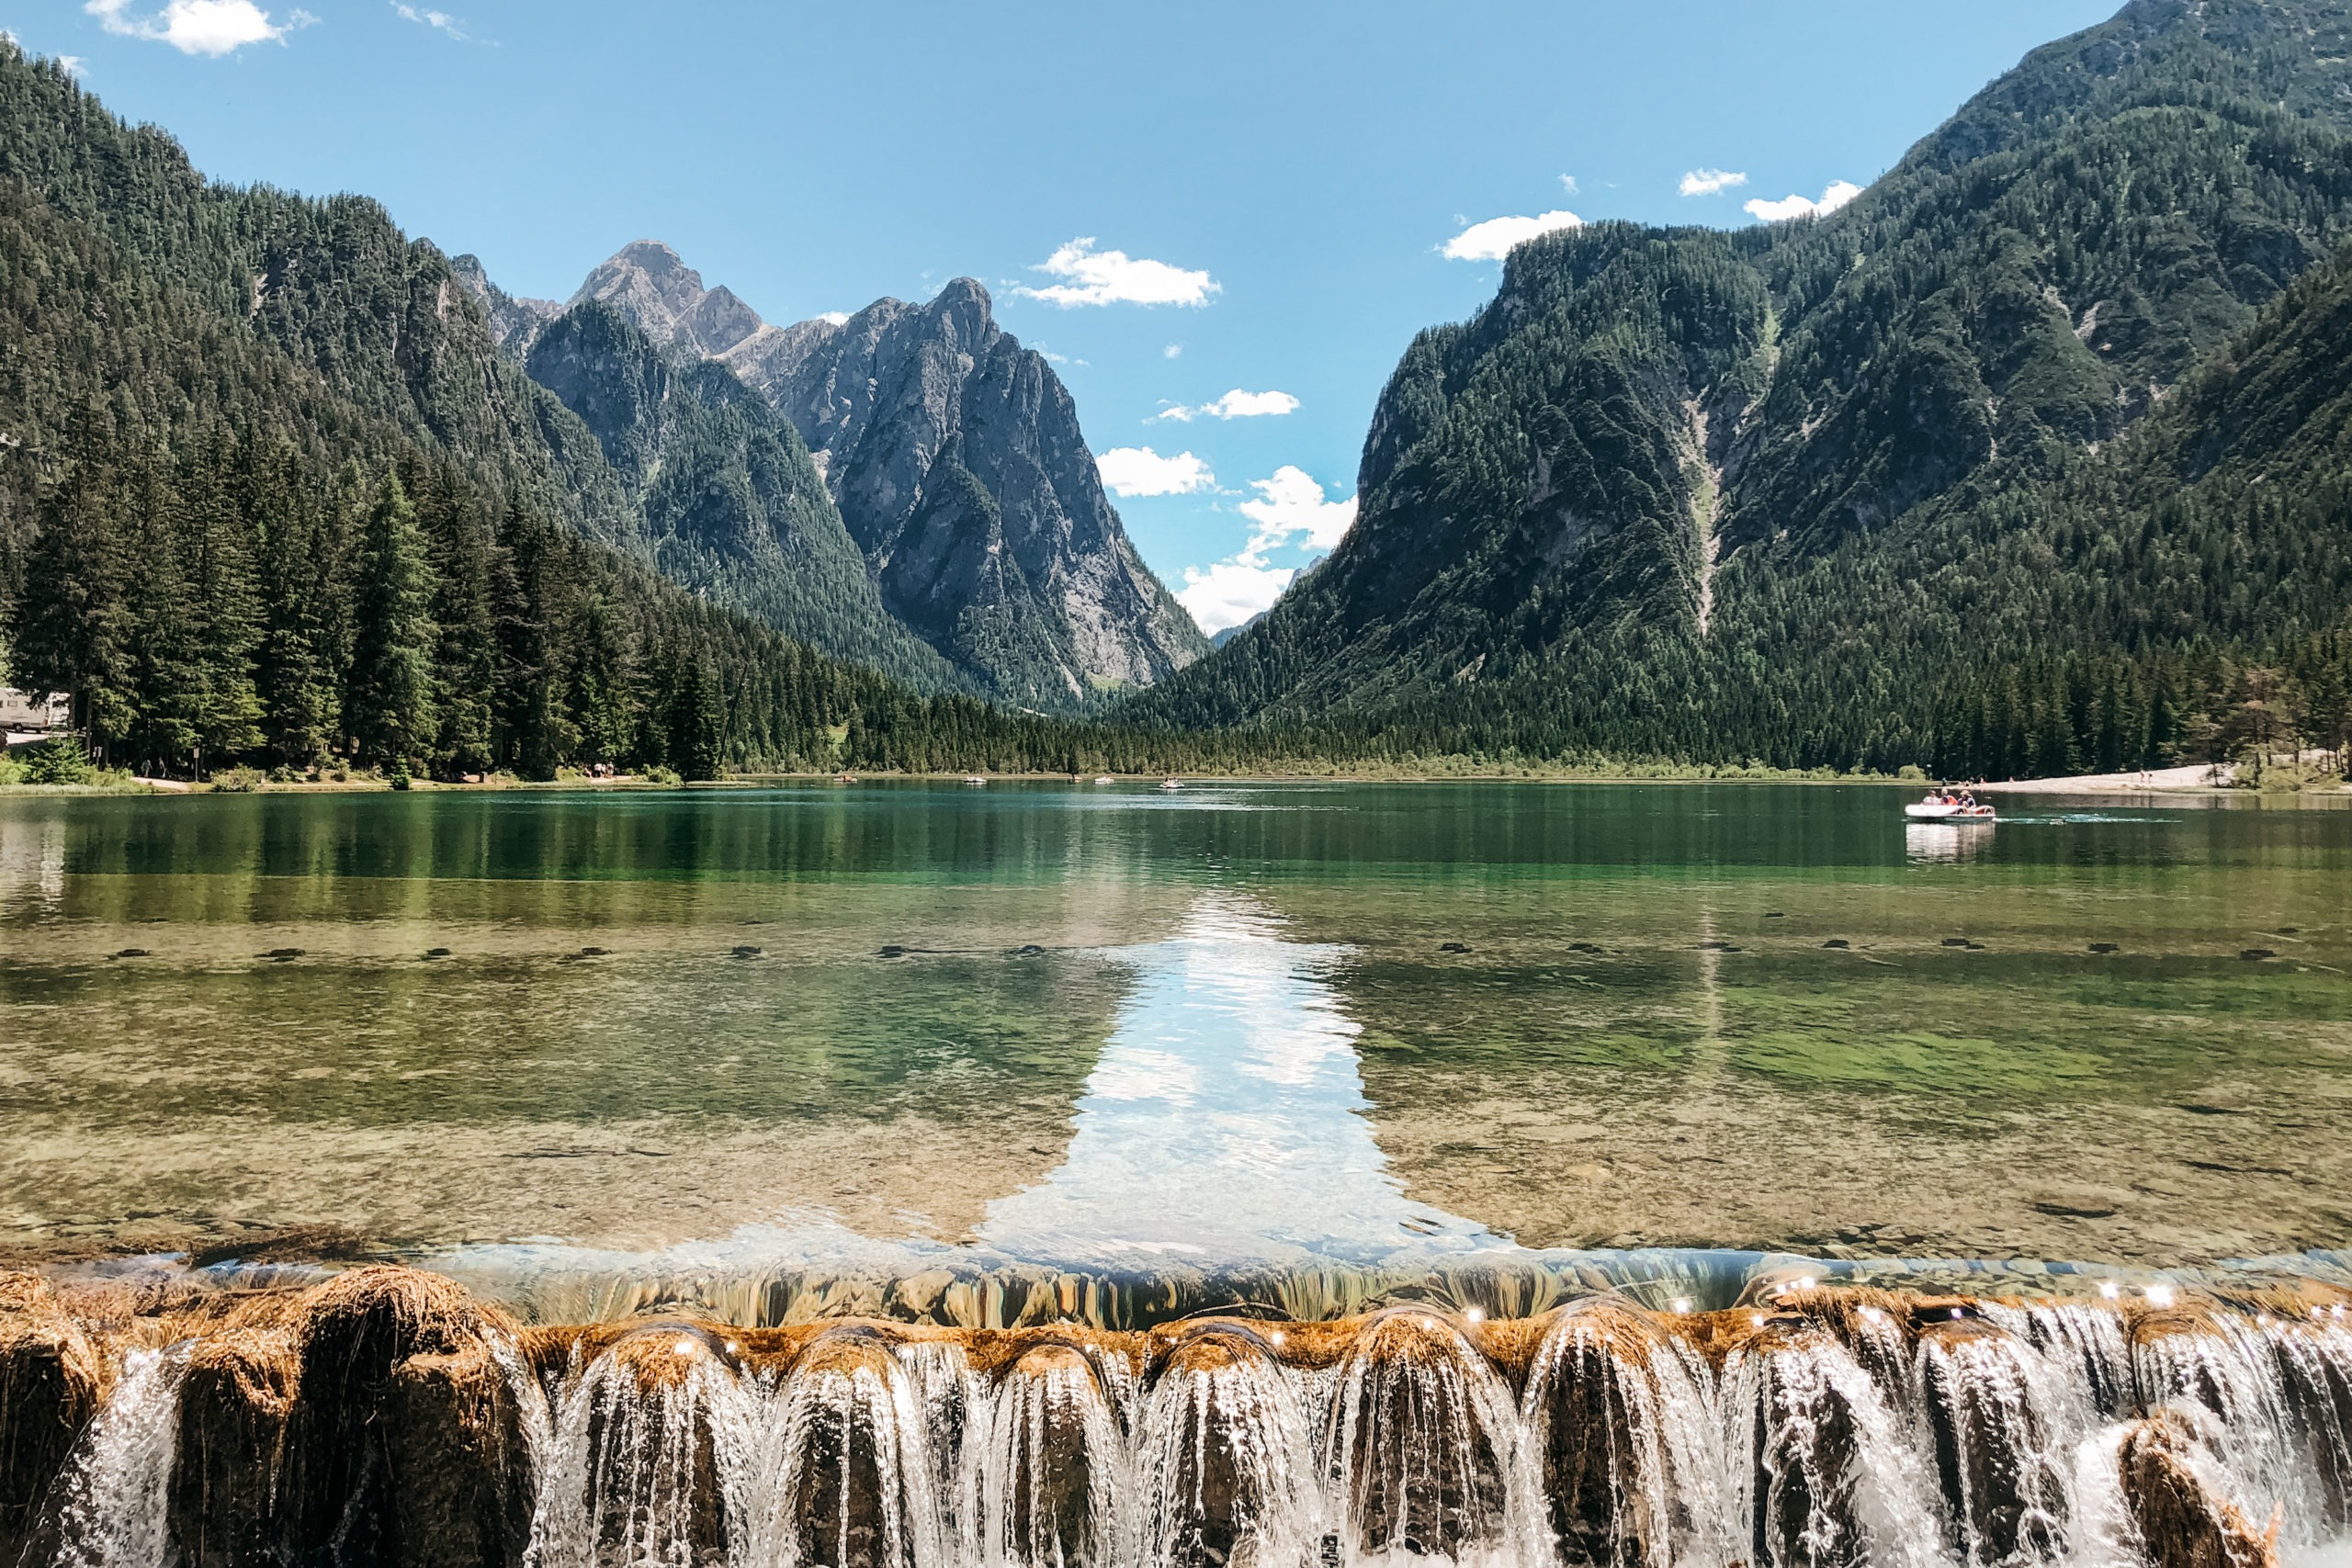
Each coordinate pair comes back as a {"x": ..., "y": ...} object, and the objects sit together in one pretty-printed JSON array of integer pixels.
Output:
[{"x": 1180, "y": 202}]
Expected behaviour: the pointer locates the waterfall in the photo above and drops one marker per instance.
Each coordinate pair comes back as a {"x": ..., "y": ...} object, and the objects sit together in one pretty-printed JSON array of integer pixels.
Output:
[
  {"x": 641, "y": 1455},
  {"x": 1835, "y": 1473},
  {"x": 1422, "y": 1449},
  {"x": 112, "y": 1509},
  {"x": 1622, "y": 1423},
  {"x": 1226, "y": 1464},
  {"x": 1824, "y": 1427},
  {"x": 1047, "y": 1478}
]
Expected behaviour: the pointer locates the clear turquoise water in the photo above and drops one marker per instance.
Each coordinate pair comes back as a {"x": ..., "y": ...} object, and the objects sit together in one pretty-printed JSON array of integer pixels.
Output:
[{"x": 1303, "y": 1043}]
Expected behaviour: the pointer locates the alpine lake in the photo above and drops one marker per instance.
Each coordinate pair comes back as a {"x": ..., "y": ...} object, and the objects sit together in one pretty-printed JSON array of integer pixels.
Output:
[{"x": 1117, "y": 1053}]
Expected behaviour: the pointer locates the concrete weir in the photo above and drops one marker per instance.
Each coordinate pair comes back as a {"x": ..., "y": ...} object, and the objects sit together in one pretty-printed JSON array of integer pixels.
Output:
[{"x": 384, "y": 1418}]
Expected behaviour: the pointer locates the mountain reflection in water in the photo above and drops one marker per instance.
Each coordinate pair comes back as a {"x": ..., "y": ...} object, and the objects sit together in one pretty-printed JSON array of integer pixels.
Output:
[
  {"x": 1222, "y": 1140},
  {"x": 1001, "y": 1054}
]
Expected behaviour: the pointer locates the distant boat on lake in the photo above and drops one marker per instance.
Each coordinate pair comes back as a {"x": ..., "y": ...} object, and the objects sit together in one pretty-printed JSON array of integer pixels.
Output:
[{"x": 1943, "y": 806}]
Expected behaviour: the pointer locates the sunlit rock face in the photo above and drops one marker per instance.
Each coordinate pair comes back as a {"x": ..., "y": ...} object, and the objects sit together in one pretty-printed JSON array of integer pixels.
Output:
[
  {"x": 384, "y": 1418},
  {"x": 955, "y": 459}
]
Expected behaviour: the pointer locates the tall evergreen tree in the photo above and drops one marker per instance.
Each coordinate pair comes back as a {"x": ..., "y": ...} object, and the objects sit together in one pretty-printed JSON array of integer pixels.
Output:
[
  {"x": 698, "y": 722},
  {"x": 388, "y": 708},
  {"x": 168, "y": 679},
  {"x": 300, "y": 695},
  {"x": 217, "y": 537},
  {"x": 72, "y": 629},
  {"x": 466, "y": 657}
]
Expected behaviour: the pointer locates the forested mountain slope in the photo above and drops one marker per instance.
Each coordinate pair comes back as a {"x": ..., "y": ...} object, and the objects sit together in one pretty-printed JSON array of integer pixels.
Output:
[
  {"x": 400, "y": 333},
  {"x": 304, "y": 516},
  {"x": 731, "y": 504},
  {"x": 955, "y": 459},
  {"x": 1642, "y": 501},
  {"x": 331, "y": 284},
  {"x": 2124, "y": 609}
]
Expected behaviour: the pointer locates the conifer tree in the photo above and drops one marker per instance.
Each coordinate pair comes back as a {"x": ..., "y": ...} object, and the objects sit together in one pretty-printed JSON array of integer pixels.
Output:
[
  {"x": 217, "y": 539},
  {"x": 465, "y": 658},
  {"x": 70, "y": 630},
  {"x": 608, "y": 729},
  {"x": 297, "y": 667},
  {"x": 388, "y": 710},
  {"x": 168, "y": 679},
  {"x": 697, "y": 725}
]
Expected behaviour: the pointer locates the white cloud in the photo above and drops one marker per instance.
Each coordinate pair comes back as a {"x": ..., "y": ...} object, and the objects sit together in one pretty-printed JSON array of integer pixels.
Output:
[
  {"x": 439, "y": 21},
  {"x": 835, "y": 317},
  {"x": 1710, "y": 182},
  {"x": 1493, "y": 240},
  {"x": 1114, "y": 278},
  {"x": 1291, "y": 510},
  {"x": 1235, "y": 404},
  {"x": 1291, "y": 503},
  {"x": 74, "y": 66},
  {"x": 1139, "y": 470},
  {"x": 1568, "y": 184},
  {"x": 1230, "y": 592},
  {"x": 213, "y": 27},
  {"x": 1171, "y": 351},
  {"x": 1839, "y": 193}
]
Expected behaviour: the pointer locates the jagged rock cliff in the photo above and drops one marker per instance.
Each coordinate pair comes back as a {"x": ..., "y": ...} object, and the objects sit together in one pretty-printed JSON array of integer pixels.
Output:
[
  {"x": 515, "y": 320},
  {"x": 955, "y": 459},
  {"x": 731, "y": 504}
]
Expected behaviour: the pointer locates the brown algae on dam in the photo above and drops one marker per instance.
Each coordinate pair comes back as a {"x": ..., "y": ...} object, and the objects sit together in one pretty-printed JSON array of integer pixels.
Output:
[{"x": 382, "y": 1416}]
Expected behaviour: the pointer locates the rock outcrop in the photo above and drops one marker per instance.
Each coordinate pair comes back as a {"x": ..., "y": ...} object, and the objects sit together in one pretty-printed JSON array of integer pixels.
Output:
[
  {"x": 731, "y": 504},
  {"x": 955, "y": 459},
  {"x": 515, "y": 322}
]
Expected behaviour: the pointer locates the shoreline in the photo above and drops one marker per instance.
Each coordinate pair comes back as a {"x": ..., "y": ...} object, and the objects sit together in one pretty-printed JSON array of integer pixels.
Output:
[{"x": 2173, "y": 783}]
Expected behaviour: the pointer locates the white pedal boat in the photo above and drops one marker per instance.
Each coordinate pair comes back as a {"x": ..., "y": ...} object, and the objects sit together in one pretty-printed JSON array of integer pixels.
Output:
[{"x": 1933, "y": 810}]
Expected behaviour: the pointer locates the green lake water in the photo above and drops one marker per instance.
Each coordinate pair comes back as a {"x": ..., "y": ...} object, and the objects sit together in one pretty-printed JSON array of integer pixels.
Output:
[{"x": 833, "y": 1047}]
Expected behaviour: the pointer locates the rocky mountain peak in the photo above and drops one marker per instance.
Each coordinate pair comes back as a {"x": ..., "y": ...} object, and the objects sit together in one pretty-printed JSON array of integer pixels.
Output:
[
  {"x": 515, "y": 320},
  {"x": 651, "y": 286},
  {"x": 956, "y": 459}
]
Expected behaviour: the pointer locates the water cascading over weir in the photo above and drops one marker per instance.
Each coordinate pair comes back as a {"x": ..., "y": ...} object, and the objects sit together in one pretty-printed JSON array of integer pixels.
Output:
[{"x": 385, "y": 1417}]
